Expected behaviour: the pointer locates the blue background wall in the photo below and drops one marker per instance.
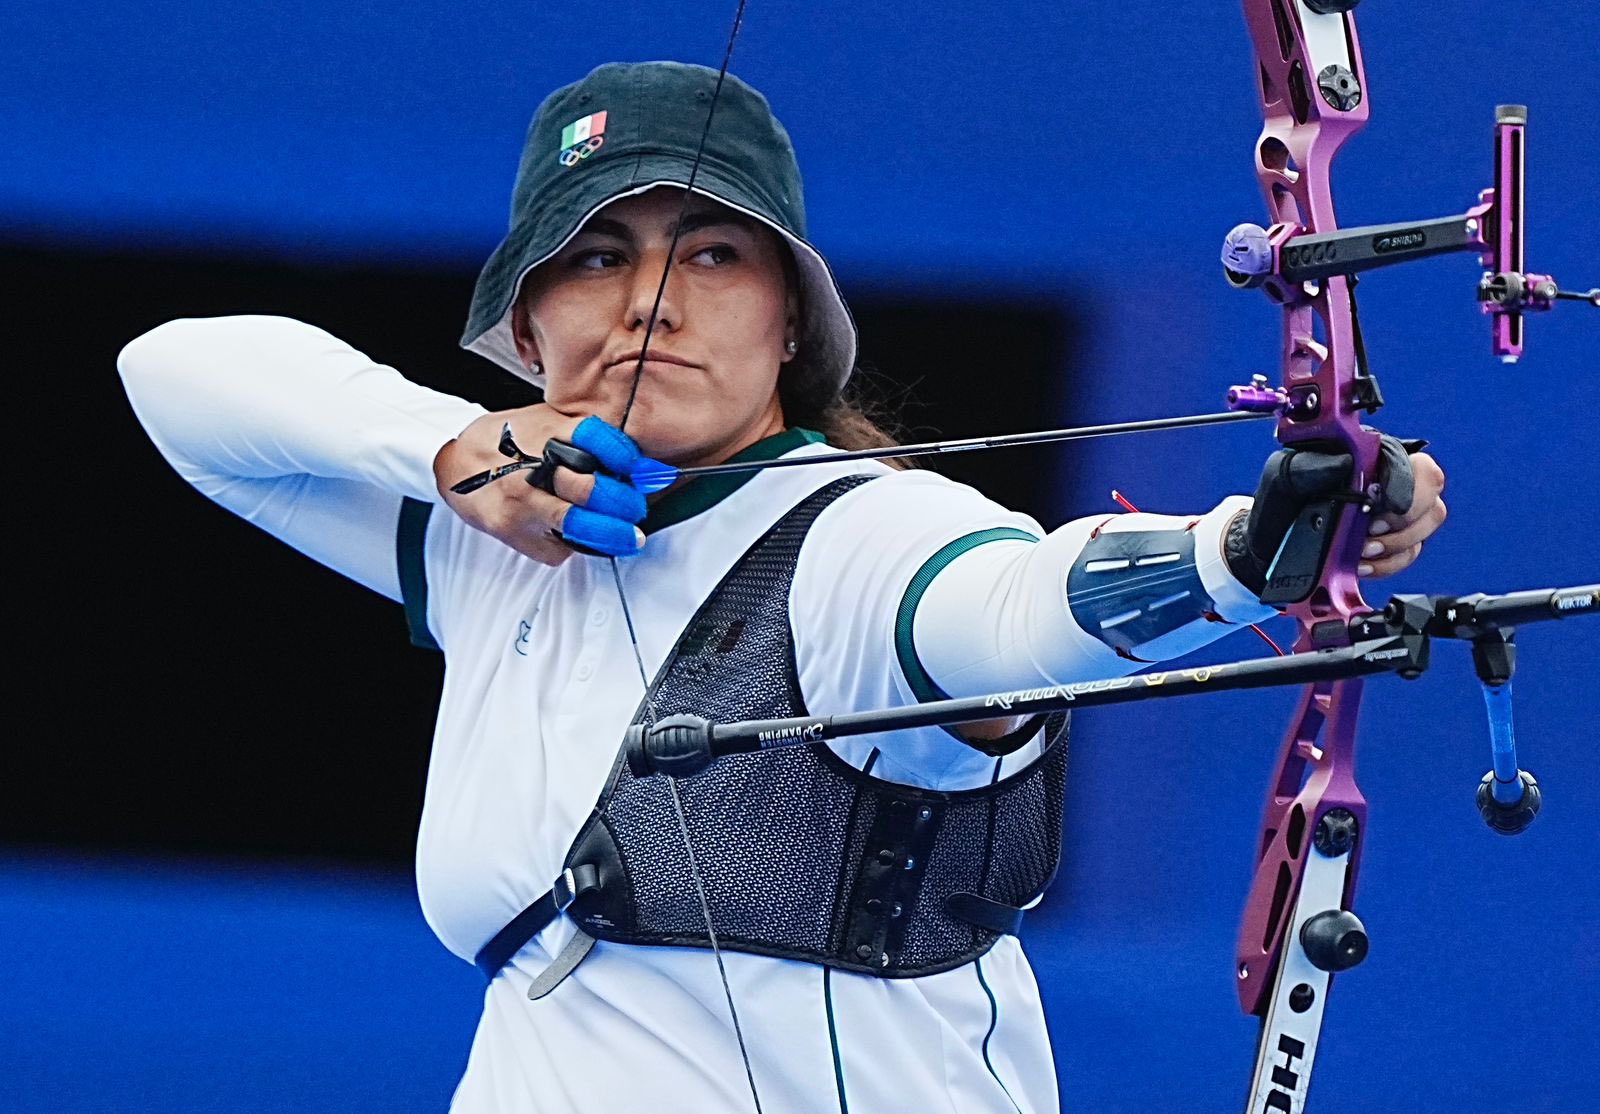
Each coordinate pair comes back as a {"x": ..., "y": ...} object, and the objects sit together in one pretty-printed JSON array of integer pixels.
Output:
[{"x": 1087, "y": 155}]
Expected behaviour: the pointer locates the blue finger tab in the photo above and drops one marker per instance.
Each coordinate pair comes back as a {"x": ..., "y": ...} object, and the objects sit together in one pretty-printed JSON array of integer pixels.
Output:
[
  {"x": 616, "y": 449},
  {"x": 599, "y": 532},
  {"x": 615, "y": 499}
]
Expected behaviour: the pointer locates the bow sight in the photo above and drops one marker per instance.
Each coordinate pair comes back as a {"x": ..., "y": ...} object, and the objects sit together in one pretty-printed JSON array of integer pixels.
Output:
[{"x": 1288, "y": 264}]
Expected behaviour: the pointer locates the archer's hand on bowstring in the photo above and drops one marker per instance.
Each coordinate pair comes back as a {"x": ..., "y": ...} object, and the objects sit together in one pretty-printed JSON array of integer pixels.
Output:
[
  {"x": 1410, "y": 512},
  {"x": 545, "y": 505}
]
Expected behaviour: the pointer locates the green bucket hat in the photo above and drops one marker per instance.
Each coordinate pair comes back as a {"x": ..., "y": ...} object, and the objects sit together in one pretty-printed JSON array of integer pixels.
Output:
[{"x": 627, "y": 128}]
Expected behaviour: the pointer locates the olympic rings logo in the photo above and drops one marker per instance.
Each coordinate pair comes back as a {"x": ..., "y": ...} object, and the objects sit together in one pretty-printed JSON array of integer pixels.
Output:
[{"x": 580, "y": 151}]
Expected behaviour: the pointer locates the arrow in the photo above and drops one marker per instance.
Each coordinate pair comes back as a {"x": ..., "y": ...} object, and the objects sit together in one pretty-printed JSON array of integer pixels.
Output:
[{"x": 652, "y": 475}]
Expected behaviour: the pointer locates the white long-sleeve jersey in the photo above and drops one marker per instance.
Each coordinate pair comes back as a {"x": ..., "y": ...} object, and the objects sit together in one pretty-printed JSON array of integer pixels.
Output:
[{"x": 309, "y": 439}]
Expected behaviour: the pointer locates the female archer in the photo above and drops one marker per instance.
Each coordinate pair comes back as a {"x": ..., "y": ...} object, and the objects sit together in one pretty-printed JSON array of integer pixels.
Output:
[{"x": 818, "y": 927}]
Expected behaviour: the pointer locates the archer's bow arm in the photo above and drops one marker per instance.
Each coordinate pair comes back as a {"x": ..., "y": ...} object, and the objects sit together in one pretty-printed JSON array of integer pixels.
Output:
[{"x": 1099, "y": 597}]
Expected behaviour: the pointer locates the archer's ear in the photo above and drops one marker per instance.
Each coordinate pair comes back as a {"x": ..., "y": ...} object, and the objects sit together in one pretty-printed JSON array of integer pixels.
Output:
[
  {"x": 522, "y": 335},
  {"x": 791, "y": 324},
  {"x": 791, "y": 333}
]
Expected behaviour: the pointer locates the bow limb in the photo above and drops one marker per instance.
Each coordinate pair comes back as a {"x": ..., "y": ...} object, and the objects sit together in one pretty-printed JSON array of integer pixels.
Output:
[{"x": 1314, "y": 97}]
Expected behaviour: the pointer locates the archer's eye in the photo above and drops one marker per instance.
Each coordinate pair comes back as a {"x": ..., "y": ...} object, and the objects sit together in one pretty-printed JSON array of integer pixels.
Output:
[
  {"x": 716, "y": 255},
  {"x": 597, "y": 259}
]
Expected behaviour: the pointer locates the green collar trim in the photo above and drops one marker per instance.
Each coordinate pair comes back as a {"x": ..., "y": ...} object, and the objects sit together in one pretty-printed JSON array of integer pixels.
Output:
[{"x": 704, "y": 492}]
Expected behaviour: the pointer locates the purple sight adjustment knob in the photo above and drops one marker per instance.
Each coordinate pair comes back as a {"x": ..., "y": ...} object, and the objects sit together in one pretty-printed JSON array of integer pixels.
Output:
[
  {"x": 1247, "y": 255},
  {"x": 1258, "y": 397}
]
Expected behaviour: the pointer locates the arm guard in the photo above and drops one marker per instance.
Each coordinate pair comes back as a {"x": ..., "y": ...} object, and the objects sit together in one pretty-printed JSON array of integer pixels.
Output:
[{"x": 1131, "y": 587}]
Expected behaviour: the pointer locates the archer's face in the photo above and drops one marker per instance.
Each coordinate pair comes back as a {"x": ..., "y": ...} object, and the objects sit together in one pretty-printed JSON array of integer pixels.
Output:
[{"x": 710, "y": 384}]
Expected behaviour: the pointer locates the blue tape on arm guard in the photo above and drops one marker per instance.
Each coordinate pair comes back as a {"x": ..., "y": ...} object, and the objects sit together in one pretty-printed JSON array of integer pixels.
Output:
[
  {"x": 1128, "y": 588},
  {"x": 615, "y": 449},
  {"x": 599, "y": 532}
]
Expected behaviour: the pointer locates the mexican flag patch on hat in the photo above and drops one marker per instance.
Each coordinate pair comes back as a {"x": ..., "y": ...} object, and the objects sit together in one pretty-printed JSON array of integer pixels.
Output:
[{"x": 582, "y": 130}]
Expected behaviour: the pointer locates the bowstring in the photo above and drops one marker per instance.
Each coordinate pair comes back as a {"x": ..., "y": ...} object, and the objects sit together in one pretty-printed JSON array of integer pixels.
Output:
[
  {"x": 677, "y": 230},
  {"x": 616, "y": 571}
]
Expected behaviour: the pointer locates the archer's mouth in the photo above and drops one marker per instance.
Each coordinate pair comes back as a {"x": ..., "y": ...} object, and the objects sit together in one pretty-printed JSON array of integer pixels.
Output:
[{"x": 631, "y": 360}]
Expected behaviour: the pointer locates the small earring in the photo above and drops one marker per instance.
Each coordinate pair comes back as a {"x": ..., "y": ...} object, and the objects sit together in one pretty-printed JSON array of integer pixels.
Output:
[
  {"x": 791, "y": 346},
  {"x": 536, "y": 368}
]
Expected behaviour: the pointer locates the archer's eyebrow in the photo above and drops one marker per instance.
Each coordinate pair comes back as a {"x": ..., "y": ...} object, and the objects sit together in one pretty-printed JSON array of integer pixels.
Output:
[{"x": 694, "y": 222}]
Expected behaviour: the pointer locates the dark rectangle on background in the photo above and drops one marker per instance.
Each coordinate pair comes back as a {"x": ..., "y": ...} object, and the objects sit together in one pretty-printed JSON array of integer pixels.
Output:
[{"x": 190, "y": 683}]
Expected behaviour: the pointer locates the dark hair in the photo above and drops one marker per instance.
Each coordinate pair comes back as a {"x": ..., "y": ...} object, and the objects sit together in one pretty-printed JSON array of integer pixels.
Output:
[{"x": 856, "y": 417}]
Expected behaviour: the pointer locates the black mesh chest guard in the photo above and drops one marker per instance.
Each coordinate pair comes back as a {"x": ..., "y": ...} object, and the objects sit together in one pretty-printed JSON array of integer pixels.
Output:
[{"x": 803, "y": 856}]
